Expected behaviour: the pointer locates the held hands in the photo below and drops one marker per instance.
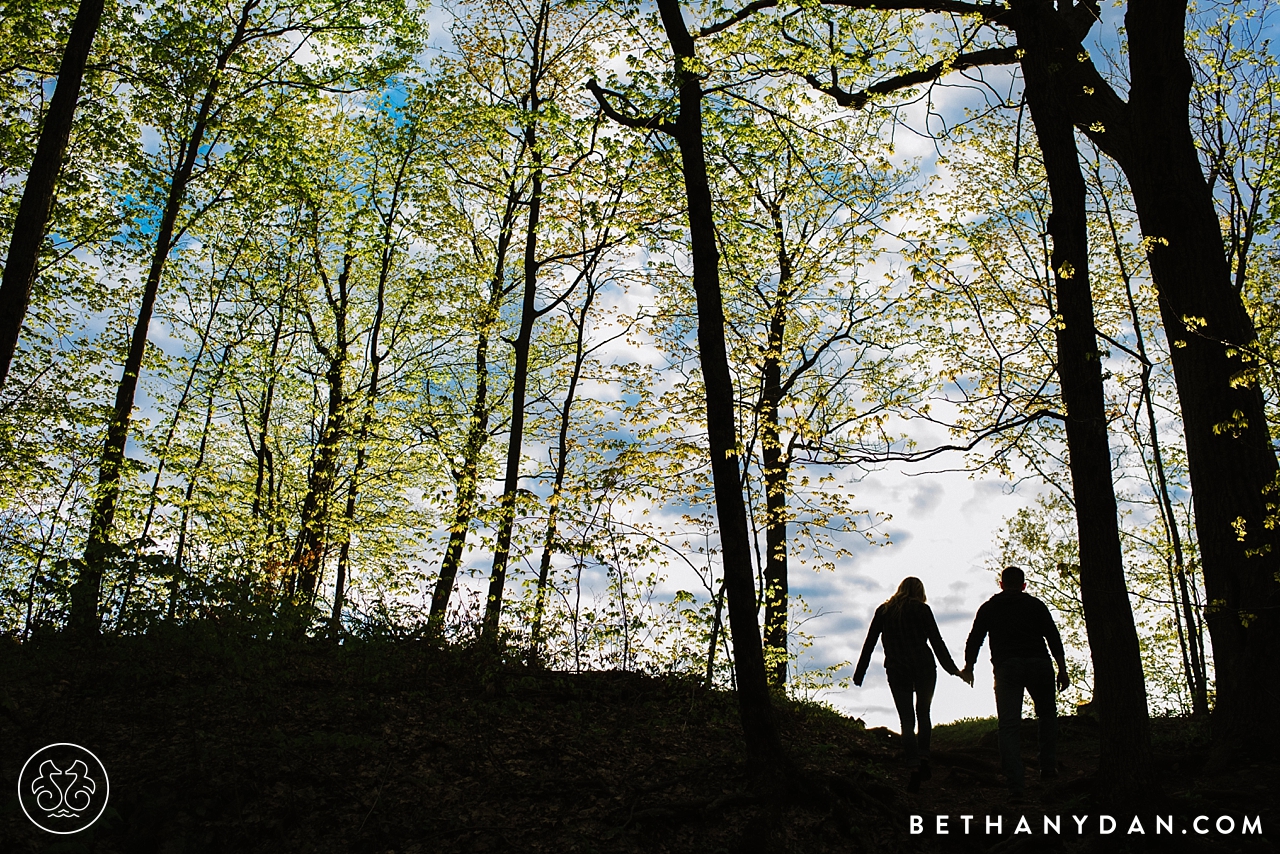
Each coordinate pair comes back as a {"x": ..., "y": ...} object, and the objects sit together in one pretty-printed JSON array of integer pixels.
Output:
[{"x": 967, "y": 675}]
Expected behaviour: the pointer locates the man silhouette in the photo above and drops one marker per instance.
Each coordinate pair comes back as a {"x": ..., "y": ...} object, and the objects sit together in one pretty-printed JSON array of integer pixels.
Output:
[{"x": 1019, "y": 625}]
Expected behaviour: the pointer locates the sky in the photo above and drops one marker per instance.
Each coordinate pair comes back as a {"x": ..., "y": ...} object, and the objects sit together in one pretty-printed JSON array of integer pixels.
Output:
[{"x": 942, "y": 531}]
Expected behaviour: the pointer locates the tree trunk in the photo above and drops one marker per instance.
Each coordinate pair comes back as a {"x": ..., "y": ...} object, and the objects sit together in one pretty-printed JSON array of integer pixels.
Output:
[
  {"x": 366, "y": 421},
  {"x": 262, "y": 453},
  {"x": 519, "y": 386},
  {"x": 759, "y": 728},
  {"x": 37, "y": 196},
  {"x": 1229, "y": 454},
  {"x": 179, "y": 554},
  {"x": 86, "y": 592},
  {"x": 308, "y": 553},
  {"x": 718, "y": 599},
  {"x": 524, "y": 338},
  {"x": 562, "y": 460},
  {"x": 467, "y": 477},
  {"x": 1124, "y": 771},
  {"x": 776, "y": 469},
  {"x": 1230, "y": 458}
]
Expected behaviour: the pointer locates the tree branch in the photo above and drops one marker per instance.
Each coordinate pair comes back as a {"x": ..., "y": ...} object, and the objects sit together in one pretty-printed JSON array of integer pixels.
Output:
[
  {"x": 989, "y": 11},
  {"x": 857, "y": 100},
  {"x": 659, "y": 123},
  {"x": 841, "y": 457}
]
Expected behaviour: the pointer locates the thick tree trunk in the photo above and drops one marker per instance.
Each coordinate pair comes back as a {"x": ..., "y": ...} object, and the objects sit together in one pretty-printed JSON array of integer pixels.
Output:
[
  {"x": 86, "y": 592},
  {"x": 759, "y": 728},
  {"x": 1119, "y": 688},
  {"x": 1230, "y": 458},
  {"x": 1229, "y": 453},
  {"x": 37, "y": 196}
]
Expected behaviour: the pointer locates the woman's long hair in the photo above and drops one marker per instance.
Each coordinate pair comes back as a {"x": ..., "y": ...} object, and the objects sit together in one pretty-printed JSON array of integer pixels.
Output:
[{"x": 911, "y": 589}]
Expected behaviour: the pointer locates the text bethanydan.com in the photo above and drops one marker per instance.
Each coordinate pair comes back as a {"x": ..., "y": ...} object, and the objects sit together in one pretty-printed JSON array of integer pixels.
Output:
[{"x": 1083, "y": 825}]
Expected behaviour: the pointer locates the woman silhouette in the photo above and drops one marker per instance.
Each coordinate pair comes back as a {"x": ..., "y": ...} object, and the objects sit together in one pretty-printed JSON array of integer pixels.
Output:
[{"x": 907, "y": 625}]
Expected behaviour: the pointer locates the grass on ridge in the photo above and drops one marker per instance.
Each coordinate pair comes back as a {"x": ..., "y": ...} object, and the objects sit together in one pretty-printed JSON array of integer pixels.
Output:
[{"x": 962, "y": 733}]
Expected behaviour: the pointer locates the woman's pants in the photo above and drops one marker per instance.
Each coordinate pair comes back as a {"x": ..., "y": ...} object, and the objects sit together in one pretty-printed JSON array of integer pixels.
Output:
[{"x": 908, "y": 684}]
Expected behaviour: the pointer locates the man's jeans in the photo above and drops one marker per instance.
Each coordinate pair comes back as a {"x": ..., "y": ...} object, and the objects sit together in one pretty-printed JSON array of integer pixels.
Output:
[
  {"x": 913, "y": 682},
  {"x": 1035, "y": 676}
]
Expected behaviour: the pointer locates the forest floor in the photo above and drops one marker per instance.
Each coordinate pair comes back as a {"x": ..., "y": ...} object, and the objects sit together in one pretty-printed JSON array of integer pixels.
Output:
[{"x": 214, "y": 745}]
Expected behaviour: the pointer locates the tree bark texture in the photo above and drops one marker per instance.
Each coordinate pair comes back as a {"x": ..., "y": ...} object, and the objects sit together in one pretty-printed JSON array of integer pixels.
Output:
[
  {"x": 1124, "y": 770},
  {"x": 759, "y": 728},
  {"x": 37, "y": 195}
]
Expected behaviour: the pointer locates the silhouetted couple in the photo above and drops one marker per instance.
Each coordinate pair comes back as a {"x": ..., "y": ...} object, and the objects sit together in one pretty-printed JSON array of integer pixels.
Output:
[{"x": 1019, "y": 625}]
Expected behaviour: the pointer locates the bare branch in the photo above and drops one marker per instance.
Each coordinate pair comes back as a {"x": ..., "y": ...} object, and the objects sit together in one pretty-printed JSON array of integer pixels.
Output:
[
  {"x": 833, "y": 457},
  {"x": 659, "y": 123},
  {"x": 857, "y": 100},
  {"x": 988, "y": 11},
  {"x": 738, "y": 17}
]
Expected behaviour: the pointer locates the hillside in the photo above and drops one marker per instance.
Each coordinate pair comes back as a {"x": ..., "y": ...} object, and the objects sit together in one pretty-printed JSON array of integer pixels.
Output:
[{"x": 217, "y": 745}]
